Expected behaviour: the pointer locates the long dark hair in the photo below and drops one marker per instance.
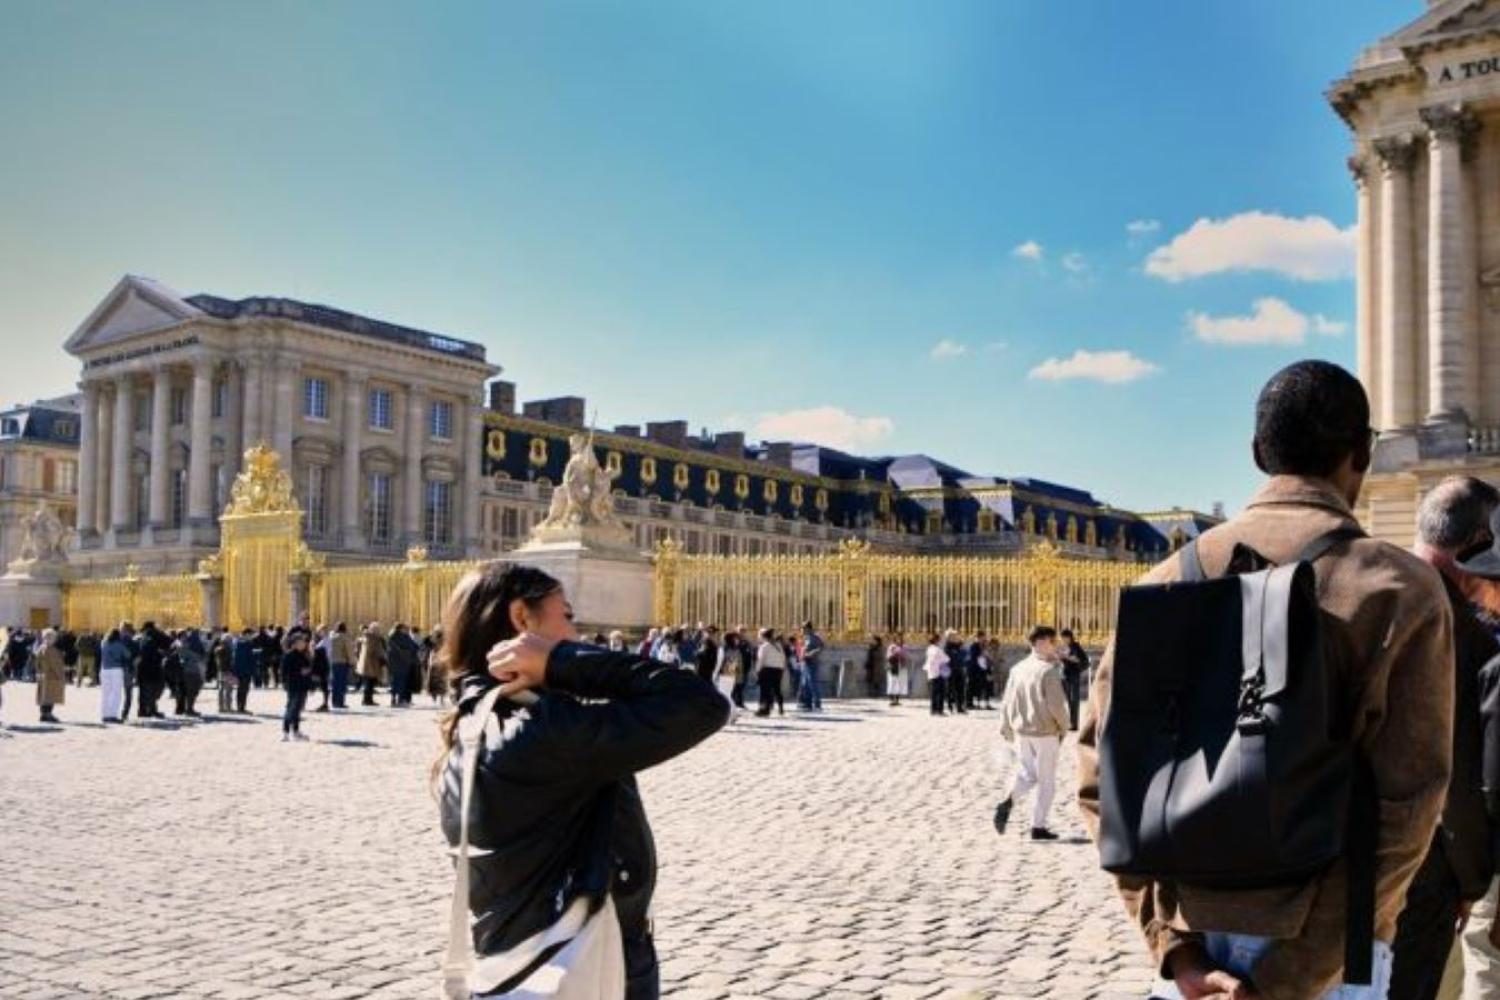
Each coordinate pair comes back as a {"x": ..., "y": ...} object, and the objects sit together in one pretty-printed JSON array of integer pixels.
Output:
[{"x": 477, "y": 617}]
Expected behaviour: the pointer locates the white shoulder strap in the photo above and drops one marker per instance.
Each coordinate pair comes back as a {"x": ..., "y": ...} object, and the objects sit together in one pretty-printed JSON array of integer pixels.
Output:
[{"x": 459, "y": 962}]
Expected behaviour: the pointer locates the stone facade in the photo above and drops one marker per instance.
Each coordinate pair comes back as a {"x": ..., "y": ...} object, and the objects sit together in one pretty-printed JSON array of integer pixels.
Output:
[
  {"x": 374, "y": 421},
  {"x": 1424, "y": 108},
  {"x": 38, "y": 464}
]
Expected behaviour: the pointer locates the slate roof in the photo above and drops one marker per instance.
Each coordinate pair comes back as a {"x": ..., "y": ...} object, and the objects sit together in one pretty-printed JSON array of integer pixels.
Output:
[
  {"x": 54, "y": 421},
  {"x": 336, "y": 319}
]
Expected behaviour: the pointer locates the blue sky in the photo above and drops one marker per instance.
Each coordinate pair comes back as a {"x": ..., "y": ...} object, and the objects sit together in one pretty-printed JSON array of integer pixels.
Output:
[{"x": 885, "y": 225}]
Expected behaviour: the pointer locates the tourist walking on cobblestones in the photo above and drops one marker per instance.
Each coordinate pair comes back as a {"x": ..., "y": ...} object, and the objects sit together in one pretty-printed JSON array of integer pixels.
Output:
[
  {"x": 115, "y": 657},
  {"x": 296, "y": 677},
  {"x": 811, "y": 698},
  {"x": 728, "y": 668},
  {"x": 401, "y": 656},
  {"x": 1034, "y": 719},
  {"x": 770, "y": 664},
  {"x": 936, "y": 667},
  {"x": 747, "y": 658},
  {"x": 247, "y": 661},
  {"x": 372, "y": 661},
  {"x": 563, "y": 850},
  {"x": 956, "y": 687},
  {"x": 341, "y": 658},
  {"x": 51, "y": 675},
  {"x": 223, "y": 660},
  {"x": 18, "y": 655},
  {"x": 897, "y": 672},
  {"x": 150, "y": 666},
  {"x": 977, "y": 658},
  {"x": 706, "y": 656},
  {"x": 192, "y": 656},
  {"x": 1075, "y": 663},
  {"x": 1389, "y": 663},
  {"x": 874, "y": 666}
]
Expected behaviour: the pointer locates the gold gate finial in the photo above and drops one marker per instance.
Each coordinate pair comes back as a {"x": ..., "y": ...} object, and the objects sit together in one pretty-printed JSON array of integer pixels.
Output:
[{"x": 263, "y": 487}]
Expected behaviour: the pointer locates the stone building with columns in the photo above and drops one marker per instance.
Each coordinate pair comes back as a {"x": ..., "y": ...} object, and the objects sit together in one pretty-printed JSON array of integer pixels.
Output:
[
  {"x": 375, "y": 421},
  {"x": 1424, "y": 107},
  {"x": 38, "y": 464}
]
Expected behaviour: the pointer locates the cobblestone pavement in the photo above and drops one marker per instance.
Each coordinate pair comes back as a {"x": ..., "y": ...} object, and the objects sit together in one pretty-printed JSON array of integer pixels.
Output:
[{"x": 843, "y": 855}]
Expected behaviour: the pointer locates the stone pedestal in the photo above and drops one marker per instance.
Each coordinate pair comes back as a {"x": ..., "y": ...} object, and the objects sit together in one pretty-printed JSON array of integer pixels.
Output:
[
  {"x": 31, "y": 594},
  {"x": 608, "y": 587}
]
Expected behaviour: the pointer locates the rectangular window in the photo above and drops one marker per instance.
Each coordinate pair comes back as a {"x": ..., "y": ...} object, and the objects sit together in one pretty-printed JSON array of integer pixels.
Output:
[
  {"x": 142, "y": 501},
  {"x": 380, "y": 409},
  {"x": 509, "y": 525},
  {"x": 441, "y": 421},
  {"x": 10, "y": 427},
  {"x": 315, "y": 497},
  {"x": 380, "y": 507},
  {"x": 221, "y": 398},
  {"x": 315, "y": 398},
  {"x": 67, "y": 477},
  {"x": 438, "y": 526},
  {"x": 143, "y": 412},
  {"x": 179, "y": 405},
  {"x": 216, "y": 479},
  {"x": 179, "y": 498},
  {"x": 49, "y": 475}
]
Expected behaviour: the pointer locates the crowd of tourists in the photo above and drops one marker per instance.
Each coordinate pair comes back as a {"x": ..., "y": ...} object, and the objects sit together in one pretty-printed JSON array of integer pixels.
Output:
[{"x": 137, "y": 668}]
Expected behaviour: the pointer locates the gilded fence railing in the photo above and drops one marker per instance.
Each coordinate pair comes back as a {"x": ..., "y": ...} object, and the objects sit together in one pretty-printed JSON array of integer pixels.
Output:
[
  {"x": 855, "y": 592},
  {"x": 414, "y": 592},
  {"x": 98, "y": 605}
]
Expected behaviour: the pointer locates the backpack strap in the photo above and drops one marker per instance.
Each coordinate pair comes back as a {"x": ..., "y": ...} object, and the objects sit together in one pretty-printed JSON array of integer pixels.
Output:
[
  {"x": 1359, "y": 889},
  {"x": 1320, "y": 546},
  {"x": 458, "y": 964}
]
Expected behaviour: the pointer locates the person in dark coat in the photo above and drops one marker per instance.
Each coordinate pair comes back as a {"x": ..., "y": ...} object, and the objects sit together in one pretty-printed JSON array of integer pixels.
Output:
[
  {"x": 706, "y": 656},
  {"x": 557, "y": 826},
  {"x": 246, "y": 660},
  {"x": 296, "y": 677},
  {"x": 1075, "y": 666},
  {"x": 150, "y": 669},
  {"x": 403, "y": 658},
  {"x": 957, "y": 694}
]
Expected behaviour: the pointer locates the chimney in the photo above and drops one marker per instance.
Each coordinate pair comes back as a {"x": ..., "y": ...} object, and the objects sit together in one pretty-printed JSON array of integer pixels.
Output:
[
  {"x": 628, "y": 430},
  {"x": 730, "y": 444},
  {"x": 672, "y": 433},
  {"x": 566, "y": 410},
  {"x": 503, "y": 397},
  {"x": 779, "y": 453}
]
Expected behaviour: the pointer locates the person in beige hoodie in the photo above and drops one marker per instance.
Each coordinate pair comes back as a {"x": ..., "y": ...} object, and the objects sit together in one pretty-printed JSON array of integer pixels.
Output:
[{"x": 1034, "y": 715}]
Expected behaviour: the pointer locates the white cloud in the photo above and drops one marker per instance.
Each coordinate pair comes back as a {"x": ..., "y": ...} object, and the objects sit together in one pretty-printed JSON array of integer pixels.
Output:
[
  {"x": 825, "y": 425},
  {"x": 1271, "y": 321},
  {"x": 1307, "y": 249},
  {"x": 1142, "y": 227},
  {"x": 1030, "y": 250},
  {"x": 1075, "y": 263},
  {"x": 1329, "y": 327},
  {"x": 945, "y": 350},
  {"x": 1097, "y": 366}
]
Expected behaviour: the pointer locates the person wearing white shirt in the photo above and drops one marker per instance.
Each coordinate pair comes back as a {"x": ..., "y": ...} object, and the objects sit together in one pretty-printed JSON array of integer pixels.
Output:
[
  {"x": 936, "y": 667},
  {"x": 1034, "y": 714}
]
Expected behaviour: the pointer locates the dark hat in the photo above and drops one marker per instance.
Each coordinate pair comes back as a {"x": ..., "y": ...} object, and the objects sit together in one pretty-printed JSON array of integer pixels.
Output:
[{"x": 1486, "y": 564}]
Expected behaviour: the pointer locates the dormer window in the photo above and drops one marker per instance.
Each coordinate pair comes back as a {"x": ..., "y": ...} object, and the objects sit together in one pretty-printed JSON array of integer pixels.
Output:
[{"x": 10, "y": 427}]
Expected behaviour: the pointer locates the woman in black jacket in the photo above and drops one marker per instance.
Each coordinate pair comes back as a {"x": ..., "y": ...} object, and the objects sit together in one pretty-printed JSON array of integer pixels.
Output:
[{"x": 556, "y": 814}]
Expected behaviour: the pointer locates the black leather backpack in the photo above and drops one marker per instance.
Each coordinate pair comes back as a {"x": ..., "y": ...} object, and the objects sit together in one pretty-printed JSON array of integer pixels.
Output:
[{"x": 1225, "y": 761}]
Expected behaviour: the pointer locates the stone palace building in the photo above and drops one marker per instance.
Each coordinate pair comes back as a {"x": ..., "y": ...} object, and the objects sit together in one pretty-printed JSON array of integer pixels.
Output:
[
  {"x": 38, "y": 464},
  {"x": 397, "y": 437},
  {"x": 1424, "y": 107}
]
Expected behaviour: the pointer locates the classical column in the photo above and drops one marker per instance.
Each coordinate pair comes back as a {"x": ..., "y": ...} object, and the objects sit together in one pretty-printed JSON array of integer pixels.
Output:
[
  {"x": 284, "y": 407},
  {"x": 416, "y": 425},
  {"x": 1449, "y": 271},
  {"x": 200, "y": 444},
  {"x": 121, "y": 516},
  {"x": 254, "y": 431},
  {"x": 104, "y": 457},
  {"x": 234, "y": 424},
  {"x": 356, "y": 385},
  {"x": 472, "y": 457},
  {"x": 1367, "y": 347},
  {"x": 88, "y": 458},
  {"x": 1398, "y": 339},
  {"x": 161, "y": 426}
]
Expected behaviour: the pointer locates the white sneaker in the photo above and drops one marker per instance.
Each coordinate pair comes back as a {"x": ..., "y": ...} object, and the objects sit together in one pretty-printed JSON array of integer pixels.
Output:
[{"x": 286, "y": 737}]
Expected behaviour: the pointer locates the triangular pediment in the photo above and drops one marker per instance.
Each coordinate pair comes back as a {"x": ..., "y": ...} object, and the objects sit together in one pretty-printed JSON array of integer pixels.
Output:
[
  {"x": 1449, "y": 20},
  {"x": 134, "y": 306}
]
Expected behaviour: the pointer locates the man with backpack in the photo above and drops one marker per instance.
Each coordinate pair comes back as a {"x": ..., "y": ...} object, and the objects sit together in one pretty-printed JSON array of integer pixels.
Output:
[{"x": 1266, "y": 750}]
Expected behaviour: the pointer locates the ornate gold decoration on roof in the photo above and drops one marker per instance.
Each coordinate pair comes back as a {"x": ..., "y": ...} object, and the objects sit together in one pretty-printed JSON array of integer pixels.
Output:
[{"x": 262, "y": 487}]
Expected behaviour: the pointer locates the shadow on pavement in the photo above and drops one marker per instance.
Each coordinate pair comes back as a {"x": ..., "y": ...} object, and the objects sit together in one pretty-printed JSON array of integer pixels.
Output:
[
  {"x": 351, "y": 744},
  {"x": 40, "y": 728}
]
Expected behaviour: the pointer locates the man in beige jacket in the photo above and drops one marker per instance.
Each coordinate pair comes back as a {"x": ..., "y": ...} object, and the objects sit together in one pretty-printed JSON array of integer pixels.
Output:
[
  {"x": 1034, "y": 714},
  {"x": 1391, "y": 629}
]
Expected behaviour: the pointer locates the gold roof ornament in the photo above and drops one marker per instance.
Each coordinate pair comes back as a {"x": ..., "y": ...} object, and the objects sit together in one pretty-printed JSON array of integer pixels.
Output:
[
  {"x": 262, "y": 487},
  {"x": 416, "y": 554},
  {"x": 212, "y": 566}
]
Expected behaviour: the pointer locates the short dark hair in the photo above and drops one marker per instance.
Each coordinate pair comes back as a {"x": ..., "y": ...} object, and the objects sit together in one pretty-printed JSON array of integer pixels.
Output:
[
  {"x": 1455, "y": 512},
  {"x": 1309, "y": 418},
  {"x": 1041, "y": 632}
]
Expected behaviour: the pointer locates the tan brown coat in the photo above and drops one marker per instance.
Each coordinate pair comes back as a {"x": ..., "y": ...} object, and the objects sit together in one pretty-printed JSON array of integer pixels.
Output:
[
  {"x": 51, "y": 677},
  {"x": 1398, "y": 632},
  {"x": 372, "y": 655}
]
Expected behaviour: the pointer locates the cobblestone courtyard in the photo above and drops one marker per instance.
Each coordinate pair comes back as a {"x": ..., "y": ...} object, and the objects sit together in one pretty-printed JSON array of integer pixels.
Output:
[{"x": 847, "y": 855}]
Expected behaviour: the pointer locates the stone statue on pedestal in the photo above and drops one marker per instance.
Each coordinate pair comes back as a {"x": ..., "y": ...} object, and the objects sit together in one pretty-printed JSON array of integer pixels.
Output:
[
  {"x": 583, "y": 506},
  {"x": 45, "y": 538}
]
